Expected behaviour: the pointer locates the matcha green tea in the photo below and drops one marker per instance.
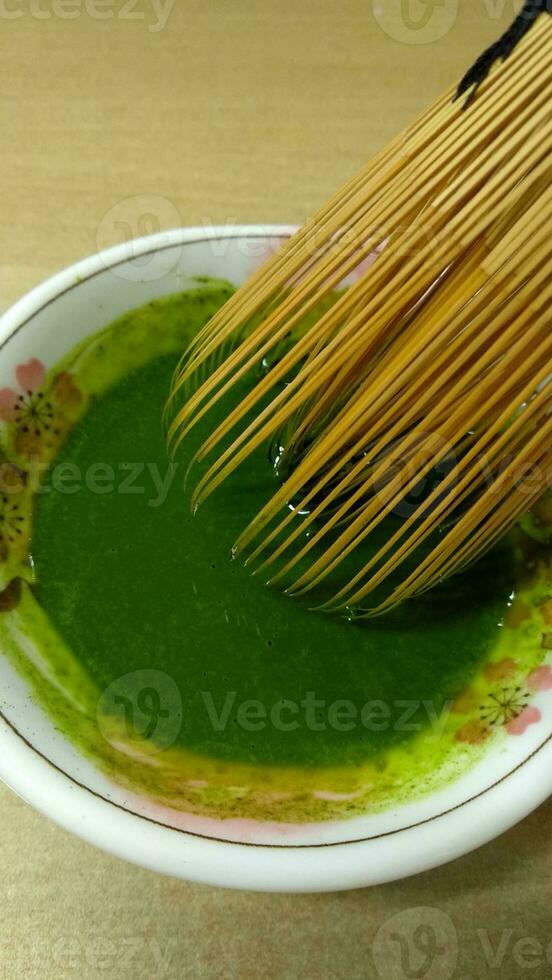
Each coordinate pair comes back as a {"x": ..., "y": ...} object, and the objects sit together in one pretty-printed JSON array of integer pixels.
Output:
[{"x": 182, "y": 676}]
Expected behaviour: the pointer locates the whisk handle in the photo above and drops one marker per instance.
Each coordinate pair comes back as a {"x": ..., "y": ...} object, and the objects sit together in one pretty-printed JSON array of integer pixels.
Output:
[{"x": 531, "y": 10}]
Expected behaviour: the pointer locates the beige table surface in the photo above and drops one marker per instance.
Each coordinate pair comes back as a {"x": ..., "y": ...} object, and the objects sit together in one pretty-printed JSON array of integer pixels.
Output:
[{"x": 233, "y": 110}]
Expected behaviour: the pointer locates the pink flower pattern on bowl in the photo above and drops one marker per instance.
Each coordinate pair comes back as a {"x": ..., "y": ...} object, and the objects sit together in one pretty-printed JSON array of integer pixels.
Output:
[
  {"x": 40, "y": 415},
  {"x": 508, "y": 707},
  {"x": 16, "y": 405}
]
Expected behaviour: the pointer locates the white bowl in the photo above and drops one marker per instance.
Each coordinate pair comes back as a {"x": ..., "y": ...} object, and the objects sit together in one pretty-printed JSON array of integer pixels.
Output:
[{"x": 39, "y": 764}]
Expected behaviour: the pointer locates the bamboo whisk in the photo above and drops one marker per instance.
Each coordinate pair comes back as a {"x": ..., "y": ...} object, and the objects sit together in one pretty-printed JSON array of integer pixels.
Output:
[{"x": 435, "y": 360}]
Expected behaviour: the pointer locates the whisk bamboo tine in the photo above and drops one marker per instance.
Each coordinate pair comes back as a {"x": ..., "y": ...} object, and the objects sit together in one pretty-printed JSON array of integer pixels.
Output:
[
  {"x": 502, "y": 520},
  {"x": 408, "y": 136},
  {"x": 390, "y": 496},
  {"x": 521, "y": 300},
  {"x": 439, "y": 344},
  {"x": 305, "y": 502},
  {"x": 228, "y": 367},
  {"x": 465, "y": 479},
  {"x": 229, "y": 422},
  {"x": 528, "y": 94}
]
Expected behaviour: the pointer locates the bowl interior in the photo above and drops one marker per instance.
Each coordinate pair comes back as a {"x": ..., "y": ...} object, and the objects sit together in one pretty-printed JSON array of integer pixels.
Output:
[{"x": 44, "y": 327}]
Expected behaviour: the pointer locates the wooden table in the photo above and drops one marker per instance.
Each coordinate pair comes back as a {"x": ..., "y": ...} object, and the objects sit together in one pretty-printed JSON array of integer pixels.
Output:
[{"x": 232, "y": 110}]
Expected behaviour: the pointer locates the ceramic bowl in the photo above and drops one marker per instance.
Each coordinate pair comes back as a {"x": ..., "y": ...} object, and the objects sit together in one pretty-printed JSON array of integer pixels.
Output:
[{"x": 506, "y": 780}]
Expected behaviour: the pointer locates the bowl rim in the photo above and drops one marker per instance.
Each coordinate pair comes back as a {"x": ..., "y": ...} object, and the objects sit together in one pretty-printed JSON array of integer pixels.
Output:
[{"x": 265, "y": 867}]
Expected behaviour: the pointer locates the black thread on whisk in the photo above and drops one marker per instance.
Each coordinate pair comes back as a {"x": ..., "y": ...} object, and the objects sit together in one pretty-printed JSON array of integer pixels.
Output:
[{"x": 501, "y": 49}]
